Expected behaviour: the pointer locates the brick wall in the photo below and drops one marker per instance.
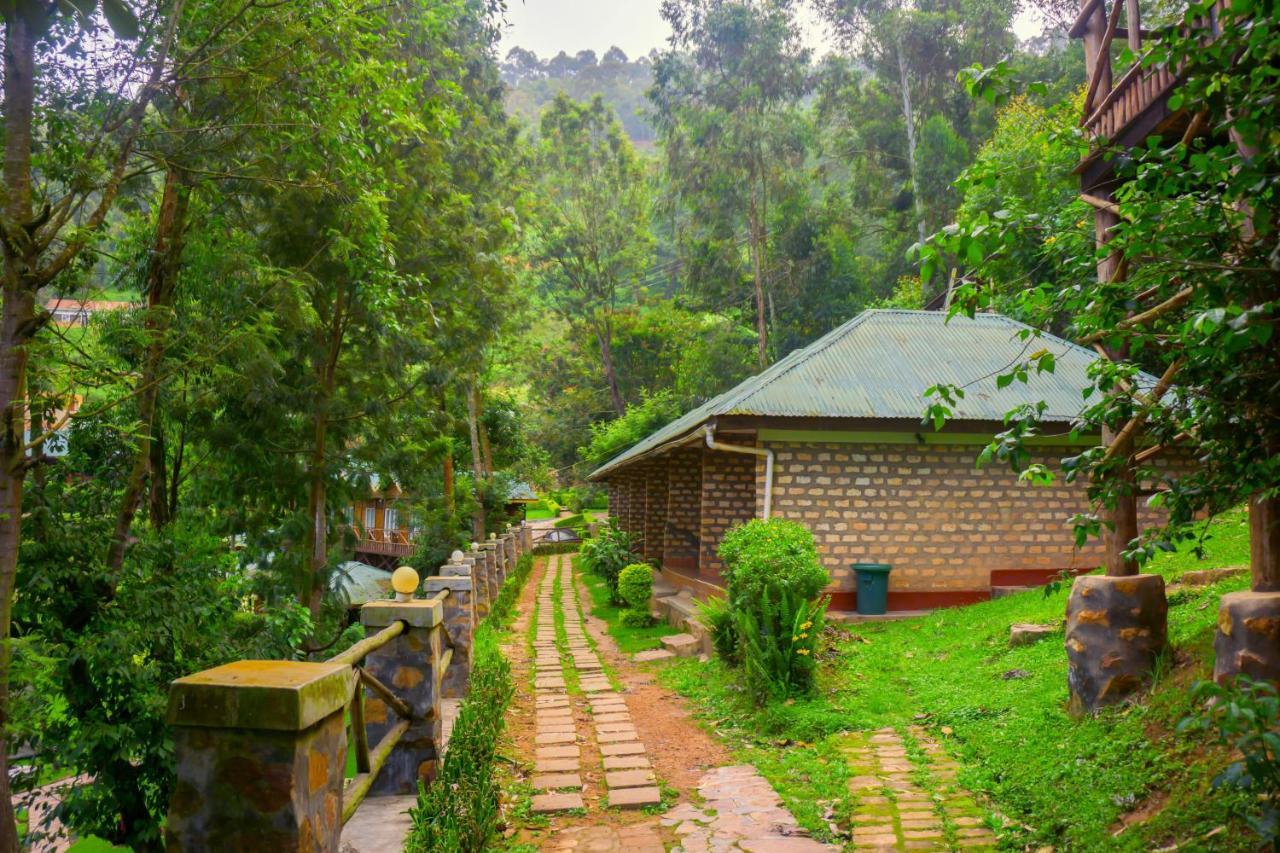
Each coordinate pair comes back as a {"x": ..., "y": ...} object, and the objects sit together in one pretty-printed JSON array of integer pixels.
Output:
[
  {"x": 638, "y": 502},
  {"x": 728, "y": 499},
  {"x": 944, "y": 525},
  {"x": 684, "y": 510},
  {"x": 618, "y": 500},
  {"x": 655, "y": 519}
]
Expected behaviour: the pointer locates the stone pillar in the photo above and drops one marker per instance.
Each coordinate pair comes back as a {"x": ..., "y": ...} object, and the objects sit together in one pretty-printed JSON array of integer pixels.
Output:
[
  {"x": 409, "y": 665},
  {"x": 261, "y": 751},
  {"x": 459, "y": 625},
  {"x": 494, "y": 570},
  {"x": 1248, "y": 638},
  {"x": 466, "y": 565},
  {"x": 509, "y": 545},
  {"x": 1116, "y": 627},
  {"x": 526, "y": 537}
]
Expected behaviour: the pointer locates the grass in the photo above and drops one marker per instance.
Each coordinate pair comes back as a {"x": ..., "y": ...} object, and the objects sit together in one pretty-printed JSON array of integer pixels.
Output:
[
  {"x": 539, "y": 514},
  {"x": 1001, "y": 712},
  {"x": 629, "y": 640}
]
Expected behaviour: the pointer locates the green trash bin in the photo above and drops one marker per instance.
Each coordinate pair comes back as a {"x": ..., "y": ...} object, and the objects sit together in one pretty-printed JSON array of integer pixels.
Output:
[{"x": 873, "y": 587}]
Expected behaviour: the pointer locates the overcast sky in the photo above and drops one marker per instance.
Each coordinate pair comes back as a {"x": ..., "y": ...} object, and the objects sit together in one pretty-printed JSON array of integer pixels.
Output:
[{"x": 549, "y": 26}]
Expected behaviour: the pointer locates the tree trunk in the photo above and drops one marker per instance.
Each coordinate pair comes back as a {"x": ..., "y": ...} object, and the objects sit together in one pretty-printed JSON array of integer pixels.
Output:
[
  {"x": 16, "y": 328},
  {"x": 757, "y": 274},
  {"x": 318, "y": 529},
  {"x": 158, "y": 497},
  {"x": 604, "y": 336},
  {"x": 908, "y": 116},
  {"x": 161, "y": 284},
  {"x": 1264, "y": 544},
  {"x": 448, "y": 484},
  {"x": 477, "y": 463},
  {"x": 1120, "y": 523}
]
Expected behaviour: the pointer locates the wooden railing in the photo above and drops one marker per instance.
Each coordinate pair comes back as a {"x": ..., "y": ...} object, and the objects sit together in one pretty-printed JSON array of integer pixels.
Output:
[
  {"x": 392, "y": 541},
  {"x": 1111, "y": 108},
  {"x": 261, "y": 746}
]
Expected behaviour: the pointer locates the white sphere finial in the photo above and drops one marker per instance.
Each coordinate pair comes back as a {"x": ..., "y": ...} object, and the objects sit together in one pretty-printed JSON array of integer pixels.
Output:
[{"x": 456, "y": 557}]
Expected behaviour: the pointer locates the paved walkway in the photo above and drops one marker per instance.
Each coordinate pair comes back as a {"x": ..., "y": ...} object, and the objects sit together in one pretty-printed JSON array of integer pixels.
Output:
[
  {"x": 563, "y": 656},
  {"x": 907, "y": 798}
]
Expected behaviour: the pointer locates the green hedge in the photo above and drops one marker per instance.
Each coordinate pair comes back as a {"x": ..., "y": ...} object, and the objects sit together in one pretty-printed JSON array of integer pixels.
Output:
[
  {"x": 459, "y": 811},
  {"x": 570, "y": 521},
  {"x": 547, "y": 548}
]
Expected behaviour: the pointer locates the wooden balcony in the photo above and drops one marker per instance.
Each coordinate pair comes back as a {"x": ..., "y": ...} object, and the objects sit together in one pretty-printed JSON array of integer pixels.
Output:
[
  {"x": 394, "y": 542},
  {"x": 1121, "y": 113}
]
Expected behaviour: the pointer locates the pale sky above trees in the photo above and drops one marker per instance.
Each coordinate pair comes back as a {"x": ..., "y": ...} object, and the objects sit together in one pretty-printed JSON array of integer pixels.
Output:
[{"x": 549, "y": 26}]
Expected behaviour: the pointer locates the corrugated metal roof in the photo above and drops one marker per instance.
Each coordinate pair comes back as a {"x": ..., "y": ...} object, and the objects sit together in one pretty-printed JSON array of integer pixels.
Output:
[{"x": 879, "y": 364}]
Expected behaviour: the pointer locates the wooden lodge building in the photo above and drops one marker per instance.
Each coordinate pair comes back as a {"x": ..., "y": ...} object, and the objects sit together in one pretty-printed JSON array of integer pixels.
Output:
[{"x": 832, "y": 436}]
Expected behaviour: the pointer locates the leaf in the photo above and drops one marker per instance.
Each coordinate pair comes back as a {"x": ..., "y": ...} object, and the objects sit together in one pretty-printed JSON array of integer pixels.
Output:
[{"x": 121, "y": 18}]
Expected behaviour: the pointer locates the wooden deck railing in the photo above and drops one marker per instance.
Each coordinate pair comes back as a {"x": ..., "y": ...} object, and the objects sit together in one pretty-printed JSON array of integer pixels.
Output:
[{"x": 262, "y": 745}]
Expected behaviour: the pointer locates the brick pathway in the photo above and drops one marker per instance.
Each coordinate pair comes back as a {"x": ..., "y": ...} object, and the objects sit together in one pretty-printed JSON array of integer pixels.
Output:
[
  {"x": 910, "y": 802},
  {"x": 566, "y": 661}
]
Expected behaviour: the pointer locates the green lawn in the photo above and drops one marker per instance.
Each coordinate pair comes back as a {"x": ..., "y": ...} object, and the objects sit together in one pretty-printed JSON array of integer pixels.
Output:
[
  {"x": 629, "y": 640},
  {"x": 1058, "y": 781},
  {"x": 538, "y": 514}
]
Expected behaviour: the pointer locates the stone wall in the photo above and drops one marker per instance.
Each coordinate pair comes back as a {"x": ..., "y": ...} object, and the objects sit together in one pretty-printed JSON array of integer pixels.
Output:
[
  {"x": 655, "y": 519},
  {"x": 684, "y": 510},
  {"x": 942, "y": 523},
  {"x": 728, "y": 499}
]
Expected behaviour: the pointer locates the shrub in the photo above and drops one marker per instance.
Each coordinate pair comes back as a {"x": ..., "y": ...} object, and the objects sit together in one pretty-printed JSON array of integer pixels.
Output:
[
  {"x": 570, "y": 521},
  {"x": 460, "y": 809},
  {"x": 718, "y": 619},
  {"x": 635, "y": 585},
  {"x": 544, "y": 549},
  {"x": 1245, "y": 716},
  {"x": 607, "y": 555},
  {"x": 771, "y": 621},
  {"x": 771, "y": 555}
]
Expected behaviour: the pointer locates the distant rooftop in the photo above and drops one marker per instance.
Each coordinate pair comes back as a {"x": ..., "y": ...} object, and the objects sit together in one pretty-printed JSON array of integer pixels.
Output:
[{"x": 879, "y": 364}]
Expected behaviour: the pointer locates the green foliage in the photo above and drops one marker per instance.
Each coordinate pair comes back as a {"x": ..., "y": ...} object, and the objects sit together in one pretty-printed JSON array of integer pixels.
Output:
[
  {"x": 715, "y": 614},
  {"x": 630, "y": 638},
  {"x": 1245, "y": 717},
  {"x": 635, "y": 587},
  {"x": 549, "y": 548},
  {"x": 574, "y": 521},
  {"x": 772, "y": 574},
  {"x": 503, "y": 606},
  {"x": 778, "y": 643},
  {"x": 776, "y": 554},
  {"x": 460, "y": 810},
  {"x": 607, "y": 555},
  {"x": 610, "y": 438}
]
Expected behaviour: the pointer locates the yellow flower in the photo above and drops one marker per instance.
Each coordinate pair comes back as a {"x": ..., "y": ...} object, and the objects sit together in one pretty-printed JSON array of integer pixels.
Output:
[
  {"x": 806, "y": 626},
  {"x": 802, "y": 651}
]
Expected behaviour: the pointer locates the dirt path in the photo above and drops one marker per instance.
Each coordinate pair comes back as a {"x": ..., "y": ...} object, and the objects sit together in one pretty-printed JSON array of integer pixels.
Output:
[{"x": 598, "y": 739}]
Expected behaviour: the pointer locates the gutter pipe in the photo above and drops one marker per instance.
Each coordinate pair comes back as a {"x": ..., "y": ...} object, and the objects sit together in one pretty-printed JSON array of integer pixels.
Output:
[{"x": 752, "y": 451}]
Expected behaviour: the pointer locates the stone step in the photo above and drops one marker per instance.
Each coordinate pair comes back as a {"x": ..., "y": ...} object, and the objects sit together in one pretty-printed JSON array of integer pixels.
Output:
[
  {"x": 1002, "y": 591},
  {"x": 682, "y": 645},
  {"x": 634, "y": 798},
  {"x": 545, "y": 803},
  {"x": 652, "y": 654}
]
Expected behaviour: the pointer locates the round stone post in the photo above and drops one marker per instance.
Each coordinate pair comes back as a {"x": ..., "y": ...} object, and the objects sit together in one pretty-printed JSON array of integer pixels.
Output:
[
  {"x": 464, "y": 565},
  {"x": 509, "y": 548},
  {"x": 493, "y": 558},
  {"x": 1116, "y": 628},
  {"x": 261, "y": 751},
  {"x": 410, "y": 665},
  {"x": 1248, "y": 638},
  {"x": 526, "y": 537},
  {"x": 459, "y": 625}
]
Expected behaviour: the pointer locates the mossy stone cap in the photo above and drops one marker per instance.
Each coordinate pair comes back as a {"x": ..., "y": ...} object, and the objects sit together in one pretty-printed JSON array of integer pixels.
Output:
[
  {"x": 419, "y": 613},
  {"x": 279, "y": 695}
]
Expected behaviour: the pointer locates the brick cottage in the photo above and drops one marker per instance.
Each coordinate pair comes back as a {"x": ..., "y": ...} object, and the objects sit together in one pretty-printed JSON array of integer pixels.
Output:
[{"x": 839, "y": 423}]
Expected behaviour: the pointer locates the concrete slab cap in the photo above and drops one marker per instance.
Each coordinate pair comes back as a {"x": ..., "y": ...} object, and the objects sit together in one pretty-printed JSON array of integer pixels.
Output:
[
  {"x": 276, "y": 695},
  {"x": 419, "y": 613}
]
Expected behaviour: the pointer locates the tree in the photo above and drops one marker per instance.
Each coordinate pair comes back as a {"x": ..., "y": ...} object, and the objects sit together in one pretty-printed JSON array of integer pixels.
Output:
[
  {"x": 592, "y": 239},
  {"x": 726, "y": 96}
]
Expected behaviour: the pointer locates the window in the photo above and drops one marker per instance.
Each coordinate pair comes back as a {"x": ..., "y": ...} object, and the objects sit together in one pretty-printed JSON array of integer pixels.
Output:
[
  {"x": 390, "y": 519},
  {"x": 370, "y": 518}
]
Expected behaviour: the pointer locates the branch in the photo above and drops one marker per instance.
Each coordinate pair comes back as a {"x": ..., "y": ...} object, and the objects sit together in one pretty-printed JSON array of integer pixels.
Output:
[
  {"x": 1125, "y": 435},
  {"x": 1182, "y": 297}
]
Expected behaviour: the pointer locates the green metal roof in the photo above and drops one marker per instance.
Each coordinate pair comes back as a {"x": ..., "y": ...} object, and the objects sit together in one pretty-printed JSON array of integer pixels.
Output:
[{"x": 878, "y": 365}]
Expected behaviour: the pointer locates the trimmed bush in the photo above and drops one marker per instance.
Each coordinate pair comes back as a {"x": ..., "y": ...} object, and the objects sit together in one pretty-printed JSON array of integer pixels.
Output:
[
  {"x": 771, "y": 620},
  {"x": 570, "y": 521},
  {"x": 635, "y": 585}
]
